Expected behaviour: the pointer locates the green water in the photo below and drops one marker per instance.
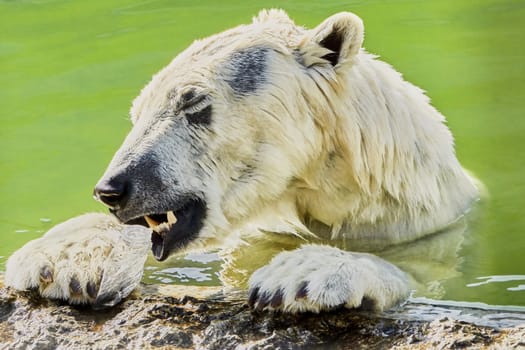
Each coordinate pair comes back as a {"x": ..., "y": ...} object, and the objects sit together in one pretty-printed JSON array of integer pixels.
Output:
[{"x": 69, "y": 69}]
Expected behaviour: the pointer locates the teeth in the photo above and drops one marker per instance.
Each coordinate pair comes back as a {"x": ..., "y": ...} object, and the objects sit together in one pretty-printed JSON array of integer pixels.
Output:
[
  {"x": 152, "y": 223},
  {"x": 171, "y": 217},
  {"x": 161, "y": 227}
]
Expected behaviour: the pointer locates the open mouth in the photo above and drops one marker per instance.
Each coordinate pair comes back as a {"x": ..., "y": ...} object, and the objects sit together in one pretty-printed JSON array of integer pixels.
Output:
[{"x": 174, "y": 229}]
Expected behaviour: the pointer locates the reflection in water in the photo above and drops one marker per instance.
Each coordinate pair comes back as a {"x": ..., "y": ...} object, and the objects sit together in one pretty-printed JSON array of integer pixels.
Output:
[
  {"x": 182, "y": 274},
  {"x": 203, "y": 257},
  {"x": 501, "y": 278},
  {"x": 193, "y": 269}
]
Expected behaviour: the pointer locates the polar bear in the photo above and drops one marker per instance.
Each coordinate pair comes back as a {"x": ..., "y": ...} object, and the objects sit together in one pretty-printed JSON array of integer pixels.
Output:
[{"x": 297, "y": 142}]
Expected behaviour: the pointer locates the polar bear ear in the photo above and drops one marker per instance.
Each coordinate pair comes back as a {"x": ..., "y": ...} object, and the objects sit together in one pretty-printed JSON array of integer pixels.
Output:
[{"x": 340, "y": 35}]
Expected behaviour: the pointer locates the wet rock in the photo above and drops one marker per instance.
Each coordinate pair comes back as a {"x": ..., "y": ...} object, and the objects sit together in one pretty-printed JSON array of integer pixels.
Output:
[{"x": 162, "y": 317}]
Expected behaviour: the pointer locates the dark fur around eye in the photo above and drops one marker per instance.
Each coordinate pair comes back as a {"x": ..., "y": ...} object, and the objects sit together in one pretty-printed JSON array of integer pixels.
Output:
[{"x": 202, "y": 117}]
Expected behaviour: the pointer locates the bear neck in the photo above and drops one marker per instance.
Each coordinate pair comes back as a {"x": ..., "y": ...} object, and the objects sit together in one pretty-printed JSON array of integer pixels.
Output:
[{"x": 388, "y": 168}]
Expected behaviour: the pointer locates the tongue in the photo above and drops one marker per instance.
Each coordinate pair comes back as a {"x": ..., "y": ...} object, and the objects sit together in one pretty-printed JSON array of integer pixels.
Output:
[{"x": 157, "y": 246}]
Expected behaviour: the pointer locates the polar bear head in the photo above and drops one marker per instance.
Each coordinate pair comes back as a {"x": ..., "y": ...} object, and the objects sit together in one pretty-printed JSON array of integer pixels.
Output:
[{"x": 227, "y": 126}]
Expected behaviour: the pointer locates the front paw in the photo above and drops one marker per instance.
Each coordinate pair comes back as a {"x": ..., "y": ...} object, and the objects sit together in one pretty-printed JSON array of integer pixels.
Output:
[
  {"x": 317, "y": 278},
  {"x": 91, "y": 259}
]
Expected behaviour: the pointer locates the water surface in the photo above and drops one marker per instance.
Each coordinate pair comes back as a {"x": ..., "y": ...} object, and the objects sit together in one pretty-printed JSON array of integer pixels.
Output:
[{"x": 69, "y": 69}]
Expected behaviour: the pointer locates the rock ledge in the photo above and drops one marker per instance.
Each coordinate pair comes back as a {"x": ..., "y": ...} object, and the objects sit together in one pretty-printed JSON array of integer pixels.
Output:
[{"x": 161, "y": 317}]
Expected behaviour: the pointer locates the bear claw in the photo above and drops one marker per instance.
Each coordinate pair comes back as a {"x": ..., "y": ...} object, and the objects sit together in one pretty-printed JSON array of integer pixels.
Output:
[
  {"x": 263, "y": 302},
  {"x": 46, "y": 275},
  {"x": 302, "y": 292},
  {"x": 74, "y": 286},
  {"x": 253, "y": 296},
  {"x": 92, "y": 289},
  {"x": 277, "y": 298}
]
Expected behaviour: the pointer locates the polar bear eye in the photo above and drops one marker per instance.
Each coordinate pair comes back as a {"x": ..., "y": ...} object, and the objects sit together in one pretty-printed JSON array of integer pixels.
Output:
[{"x": 197, "y": 108}]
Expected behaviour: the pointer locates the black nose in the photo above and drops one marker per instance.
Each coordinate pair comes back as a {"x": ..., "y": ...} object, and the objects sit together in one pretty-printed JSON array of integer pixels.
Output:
[{"x": 112, "y": 192}]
